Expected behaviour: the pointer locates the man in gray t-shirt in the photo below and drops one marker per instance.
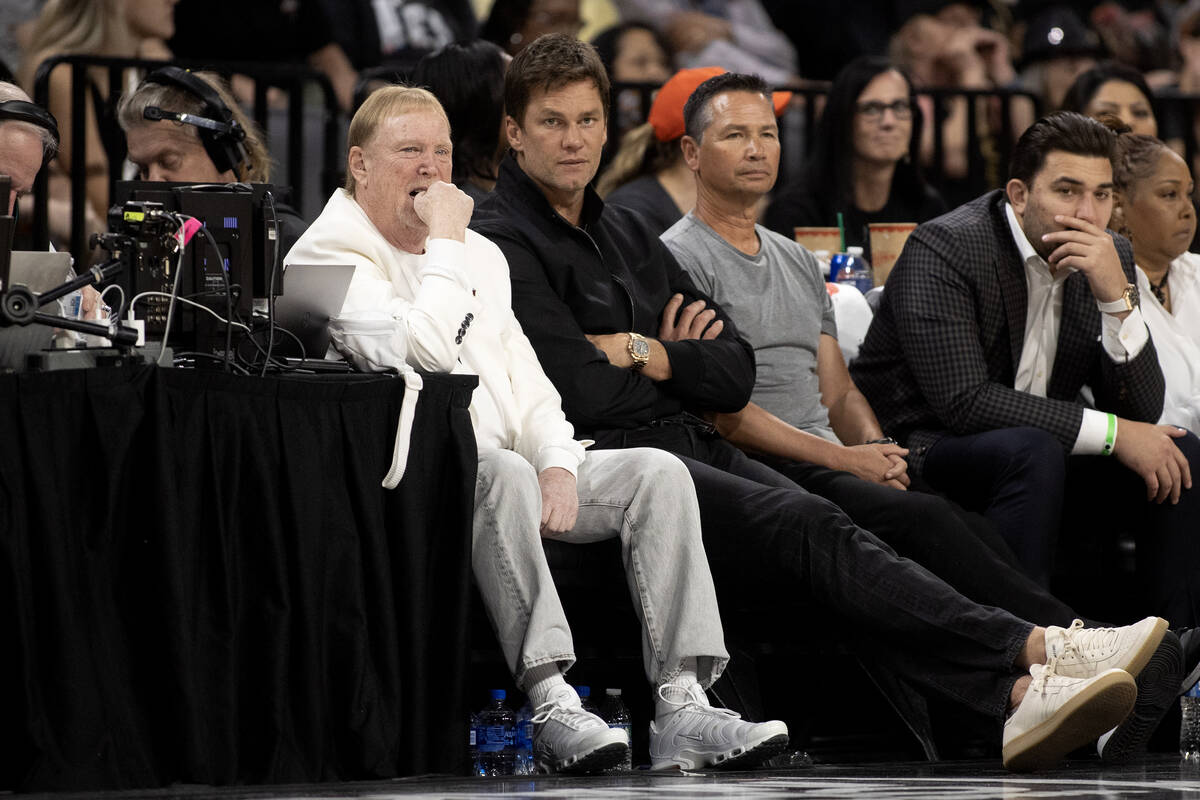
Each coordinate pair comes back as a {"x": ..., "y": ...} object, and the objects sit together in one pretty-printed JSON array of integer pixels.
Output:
[{"x": 777, "y": 297}]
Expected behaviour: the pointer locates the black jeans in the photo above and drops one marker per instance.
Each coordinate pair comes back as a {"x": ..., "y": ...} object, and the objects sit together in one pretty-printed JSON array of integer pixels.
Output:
[
  {"x": 763, "y": 533},
  {"x": 1022, "y": 480},
  {"x": 960, "y": 547}
]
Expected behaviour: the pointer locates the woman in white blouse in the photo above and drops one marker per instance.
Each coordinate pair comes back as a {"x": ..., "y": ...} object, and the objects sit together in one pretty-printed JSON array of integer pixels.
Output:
[{"x": 1154, "y": 209}]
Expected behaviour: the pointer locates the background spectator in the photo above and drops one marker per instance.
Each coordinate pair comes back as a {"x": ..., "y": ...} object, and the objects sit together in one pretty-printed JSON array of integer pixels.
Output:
[
  {"x": 397, "y": 33},
  {"x": 121, "y": 28},
  {"x": 953, "y": 51},
  {"x": 1121, "y": 91},
  {"x": 468, "y": 79},
  {"x": 513, "y": 24},
  {"x": 1057, "y": 47},
  {"x": 864, "y": 161},
  {"x": 737, "y": 34},
  {"x": 634, "y": 52},
  {"x": 1113, "y": 88},
  {"x": 232, "y": 30},
  {"x": 1154, "y": 210},
  {"x": 16, "y": 24}
]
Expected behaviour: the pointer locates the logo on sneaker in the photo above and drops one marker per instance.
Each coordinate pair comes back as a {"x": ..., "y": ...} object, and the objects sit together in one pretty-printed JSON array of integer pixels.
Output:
[{"x": 695, "y": 737}]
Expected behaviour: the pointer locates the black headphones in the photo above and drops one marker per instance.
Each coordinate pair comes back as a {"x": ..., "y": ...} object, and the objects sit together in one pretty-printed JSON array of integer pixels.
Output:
[
  {"x": 220, "y": 133},
  {"x": 21, "y": 111}
]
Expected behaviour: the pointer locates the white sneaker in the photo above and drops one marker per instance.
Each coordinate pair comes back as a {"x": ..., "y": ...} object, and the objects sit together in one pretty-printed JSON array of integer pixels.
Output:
[
  {"x": 1059, "y": 714},
  {"x": 1084, "y": 652},
  {"x": 696, "y": 735},
  {"x": 568, "y": 739}
]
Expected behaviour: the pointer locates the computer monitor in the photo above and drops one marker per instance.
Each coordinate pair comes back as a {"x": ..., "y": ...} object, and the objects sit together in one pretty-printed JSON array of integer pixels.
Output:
[{"x": 241, "y": 223}]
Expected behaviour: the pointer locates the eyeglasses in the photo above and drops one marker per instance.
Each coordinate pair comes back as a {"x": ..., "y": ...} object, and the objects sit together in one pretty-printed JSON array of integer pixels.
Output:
[{"x": 873, "y": 109}]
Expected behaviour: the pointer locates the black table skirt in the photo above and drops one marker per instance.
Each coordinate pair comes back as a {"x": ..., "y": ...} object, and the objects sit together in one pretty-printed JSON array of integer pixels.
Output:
[{"x": 202, "y": 580}]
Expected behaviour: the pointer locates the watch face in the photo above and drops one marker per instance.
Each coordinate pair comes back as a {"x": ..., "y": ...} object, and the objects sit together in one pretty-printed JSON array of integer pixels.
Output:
[
  {"x": 641, "y": 349},
  {"x": 1132, "y": 296}
]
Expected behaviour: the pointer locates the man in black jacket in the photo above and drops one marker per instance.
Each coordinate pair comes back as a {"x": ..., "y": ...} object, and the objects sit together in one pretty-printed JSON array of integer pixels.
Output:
[{"x": 632, "y": 346}]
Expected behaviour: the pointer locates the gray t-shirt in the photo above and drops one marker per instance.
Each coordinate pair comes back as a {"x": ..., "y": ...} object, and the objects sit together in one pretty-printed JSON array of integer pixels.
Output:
[{"x": 778, "y": 301}]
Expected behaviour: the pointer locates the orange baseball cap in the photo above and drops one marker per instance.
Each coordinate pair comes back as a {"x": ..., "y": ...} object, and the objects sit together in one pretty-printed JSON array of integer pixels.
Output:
[{"x": 666, "y": 113}]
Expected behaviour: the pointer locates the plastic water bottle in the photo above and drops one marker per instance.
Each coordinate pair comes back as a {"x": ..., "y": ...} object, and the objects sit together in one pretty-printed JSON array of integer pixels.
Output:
[
  {"x": 523, "y": 761},
  {"x": 494, "y": 737},
  {"x": 1189, "y": 726},
  {"x": 473, "y": 744},
  {"x": 852, "y": 268},
  {"x": 617, "y": 716}
]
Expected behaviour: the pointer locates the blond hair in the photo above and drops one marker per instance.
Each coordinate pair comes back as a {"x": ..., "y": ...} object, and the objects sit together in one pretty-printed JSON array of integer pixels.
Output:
[
  {"x": 131, "y": 110},
  {"x": 381, "y": 105},
  {"x": 70, "y": 27}
]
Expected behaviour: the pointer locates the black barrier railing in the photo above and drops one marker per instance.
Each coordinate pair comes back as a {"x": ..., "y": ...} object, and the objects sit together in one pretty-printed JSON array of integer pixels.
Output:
[
  {"x": 295, "y": 82},
  {"x": 991, "y": 121}
]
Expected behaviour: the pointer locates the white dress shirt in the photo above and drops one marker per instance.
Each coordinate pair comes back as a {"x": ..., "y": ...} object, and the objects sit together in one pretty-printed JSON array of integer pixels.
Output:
[{"x": 1121, "y": 339}]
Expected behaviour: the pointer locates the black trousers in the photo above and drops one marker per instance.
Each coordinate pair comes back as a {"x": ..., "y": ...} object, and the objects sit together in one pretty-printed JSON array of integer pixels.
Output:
[
  {"x": 962, "y": 548},
  {"x": 763, "y": 533},
  {"x": 1022, "y": 480}
]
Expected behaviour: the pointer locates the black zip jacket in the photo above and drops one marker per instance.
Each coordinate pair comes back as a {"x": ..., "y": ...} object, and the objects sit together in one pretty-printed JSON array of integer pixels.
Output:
[{"x": 610, "y": 274}]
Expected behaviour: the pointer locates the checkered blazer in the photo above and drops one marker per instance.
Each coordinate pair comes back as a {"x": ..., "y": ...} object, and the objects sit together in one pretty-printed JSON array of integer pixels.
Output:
[{"x": 941, "y": 355}]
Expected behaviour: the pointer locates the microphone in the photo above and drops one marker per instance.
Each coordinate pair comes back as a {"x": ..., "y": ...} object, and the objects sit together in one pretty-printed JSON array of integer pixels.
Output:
[{"x": 190, "y": 226}]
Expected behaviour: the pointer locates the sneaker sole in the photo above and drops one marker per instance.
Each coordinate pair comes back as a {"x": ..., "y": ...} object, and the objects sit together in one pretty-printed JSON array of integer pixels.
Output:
[
  {"x": 1156, "y": 691},
  {"x": 1099, "y": 708},
  {"x": 748, "y": 755},
  {"x": 602, "y": 758}
]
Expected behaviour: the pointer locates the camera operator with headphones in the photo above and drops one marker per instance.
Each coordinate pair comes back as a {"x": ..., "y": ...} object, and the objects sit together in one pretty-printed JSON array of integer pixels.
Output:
[
  {"x": 28, "y": 140},
  {"x": 186, "y": 126}
]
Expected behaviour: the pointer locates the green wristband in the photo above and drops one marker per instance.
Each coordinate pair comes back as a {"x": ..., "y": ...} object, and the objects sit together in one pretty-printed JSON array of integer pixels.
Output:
[{"x": 1110, "y": 438}]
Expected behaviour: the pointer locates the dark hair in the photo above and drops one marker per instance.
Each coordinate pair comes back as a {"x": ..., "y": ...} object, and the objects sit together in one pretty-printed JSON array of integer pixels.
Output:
[
  {"x": 697, "y": 111},
  {"x": 608, "y": 42},
  {"x": 1135, "y": 157},
  {"x": 830, "y": 164},
  {"x": 1068, "y": 131},
  {"x": 468, "y": 79},
  {"x": 1088, "y": 83},
  {"x": 551, "y": 62}
]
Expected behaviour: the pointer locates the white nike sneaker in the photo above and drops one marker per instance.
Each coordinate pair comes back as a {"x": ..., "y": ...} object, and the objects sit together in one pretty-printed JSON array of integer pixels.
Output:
[
  {"x": 1059, "y": 714},
  {"x": 696, "y": 735},
  {"x": 568, "y": 739},
  {"x": 1084, "y": 652}
]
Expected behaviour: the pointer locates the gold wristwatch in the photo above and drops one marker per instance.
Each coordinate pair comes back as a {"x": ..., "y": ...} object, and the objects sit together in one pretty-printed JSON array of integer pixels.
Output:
[
  {"x": 1126, "y": 302},
  {"x": 639, "y": 350}
]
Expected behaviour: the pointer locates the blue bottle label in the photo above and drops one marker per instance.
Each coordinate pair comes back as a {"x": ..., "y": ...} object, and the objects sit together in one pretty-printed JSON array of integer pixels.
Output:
[{"x": 494, "y": 738}]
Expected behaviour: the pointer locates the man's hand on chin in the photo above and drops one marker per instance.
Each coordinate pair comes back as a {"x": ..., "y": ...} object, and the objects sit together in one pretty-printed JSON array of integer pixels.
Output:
[
  {"x": 445, "y": 209},
  {"x": 1089, "y": 249}
]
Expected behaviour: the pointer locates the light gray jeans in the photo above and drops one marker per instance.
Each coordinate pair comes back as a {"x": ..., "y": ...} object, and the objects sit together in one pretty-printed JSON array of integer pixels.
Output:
[{"x": 642, "y": 495}]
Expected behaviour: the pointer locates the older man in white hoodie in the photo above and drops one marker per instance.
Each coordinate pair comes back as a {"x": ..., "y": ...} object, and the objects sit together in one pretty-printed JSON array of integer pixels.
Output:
[{"x": 438, "y": 295}]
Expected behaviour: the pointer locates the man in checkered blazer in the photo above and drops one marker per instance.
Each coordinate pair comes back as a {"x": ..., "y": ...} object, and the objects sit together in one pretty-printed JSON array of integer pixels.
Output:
[{"x": 1009, "y": 354}]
